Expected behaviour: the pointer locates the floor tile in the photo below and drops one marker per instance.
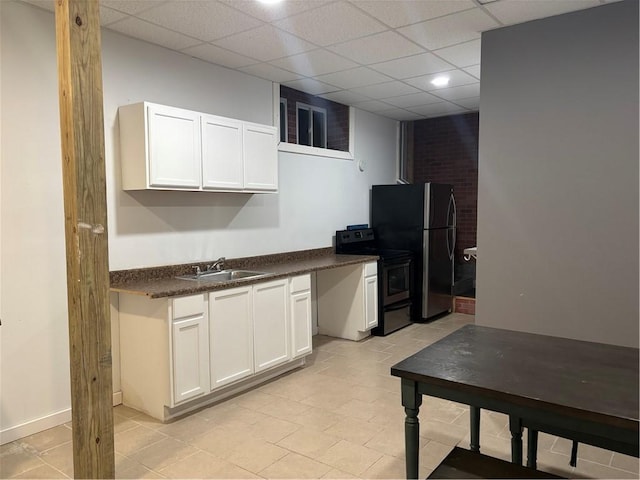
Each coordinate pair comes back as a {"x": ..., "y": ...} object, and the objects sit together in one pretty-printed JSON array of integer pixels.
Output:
[
  {"x": 131, "y": 441},
  {"x": 294, "y": 465},
  {"x": 42, "y": 471},
  {"x": 60, "y": 457},
  {"x": 354, "y": 430},
  {"x": 15, "y": 460},
  {"x": 272, "y": 429},
  {"x": 163, "y": 453},
  {"x": 625, "y": 462},
  {"x": 341, "y": 417},
  {"x": 350, "y": 457},
  {"x": 585, "y": 452},
  {"x": 204, "y": 465},
  {"x": 48, "y": 439},
  {"x": 386, "y": 467},
  {"x": 255, "y": 455},
  {"x": 309, "y": 442}
]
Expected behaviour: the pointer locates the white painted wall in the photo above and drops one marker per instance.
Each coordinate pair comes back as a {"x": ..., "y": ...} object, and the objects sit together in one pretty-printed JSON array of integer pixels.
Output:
[
  {"x": 558, "y": 176},
  {"x": 317, "y": 196}
]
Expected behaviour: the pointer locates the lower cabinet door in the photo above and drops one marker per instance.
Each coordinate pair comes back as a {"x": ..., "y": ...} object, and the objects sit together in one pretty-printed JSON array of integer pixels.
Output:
[
  {"x": 271, "y": 324},
  {"x": 190, "y": 358},
  {"x": 301, "y": 323},
  {"x": 230, "y": 335},
  {"x": 371, "y": 302}
]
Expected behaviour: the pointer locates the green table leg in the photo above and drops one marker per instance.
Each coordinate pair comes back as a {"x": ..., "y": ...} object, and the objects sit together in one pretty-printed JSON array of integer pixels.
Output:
[
  {"x": 515, "y": 426},
  {"x": 411, "y": 401},
  {"x": 532, "y": 448},
  {"x": 474, "y": 414}
]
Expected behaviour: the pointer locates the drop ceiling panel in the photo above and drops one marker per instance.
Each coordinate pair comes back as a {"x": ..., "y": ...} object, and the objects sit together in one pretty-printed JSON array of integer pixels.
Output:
[
  {"x": 311, "y": 86},
  {"x": 380, "y": 47},
  {"x": 413, "y": 100},
  {"x": 270, "y": 13},
  {"x": 472, "y": 103},
  {"x": 265, "y": 43},
  {"x": 386, "y": 90},
  {"x": 269, "y": 72},
  {"x": 400, "y": 114},
  {"x": 316, "y": 62},
  {"x": 473, "y": 70},
  {"x": 149, "y": 32},
  {"x": 108, "y": 16},
  {"x": 438, "y": 109},
  {"x": 345, "y": 97},
  {"x": 398, "y": 14},
  {"x": 374, "y": 106},
  {"x": 201, "y": 19},
  {"x": 219, "y": 56},
  {"x": 449, "y": 30},
  {"x": 465, "y": 91},
  {"x": 131, "y": 7},
  {"x": 379, "y": 55},
  {"x": 463, "y": 55},
  {"x": 332, "y": 23},
  {"x": 355, "y": 77},
  {"x": 511, "y": 12},
  {"x": 456, "y": 78},
  {"x": 413, "y": 66}
]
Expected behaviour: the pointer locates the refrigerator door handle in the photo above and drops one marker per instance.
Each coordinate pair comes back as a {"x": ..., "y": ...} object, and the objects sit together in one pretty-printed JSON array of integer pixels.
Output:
[{"x": 455, "y": 223}]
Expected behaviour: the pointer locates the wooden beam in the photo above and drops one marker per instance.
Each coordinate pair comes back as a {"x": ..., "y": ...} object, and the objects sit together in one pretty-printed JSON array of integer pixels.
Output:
[{"x": 85, "y": 211}]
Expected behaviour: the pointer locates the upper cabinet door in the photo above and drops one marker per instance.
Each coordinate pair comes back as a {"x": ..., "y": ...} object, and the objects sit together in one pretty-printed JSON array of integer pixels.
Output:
[
  {"x": 222, "y": 167},
  {"x": 260, "y": 157},
  {"x": 175, "y": 156}
]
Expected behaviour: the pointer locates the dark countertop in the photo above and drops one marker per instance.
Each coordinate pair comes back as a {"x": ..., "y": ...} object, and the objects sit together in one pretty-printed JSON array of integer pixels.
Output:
[{"x": 158, "y": 282}]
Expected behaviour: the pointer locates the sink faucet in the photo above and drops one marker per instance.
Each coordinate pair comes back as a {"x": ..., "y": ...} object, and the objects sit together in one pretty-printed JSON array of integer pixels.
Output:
[{"x": 217, "y": 265}]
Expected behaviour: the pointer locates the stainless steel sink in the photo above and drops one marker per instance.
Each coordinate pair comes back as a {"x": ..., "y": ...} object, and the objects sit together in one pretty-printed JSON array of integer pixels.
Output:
[{"x": 222, "y": 275}]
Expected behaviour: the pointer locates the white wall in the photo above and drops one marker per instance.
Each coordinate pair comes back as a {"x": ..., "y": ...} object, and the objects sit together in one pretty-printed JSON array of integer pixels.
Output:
[
  {"x": 317, "y": 196},
  {"x": 558, "y": 176}
]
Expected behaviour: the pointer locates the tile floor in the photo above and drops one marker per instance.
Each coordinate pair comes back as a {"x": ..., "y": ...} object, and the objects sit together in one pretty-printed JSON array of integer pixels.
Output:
[{"x": 339, "y": 417}]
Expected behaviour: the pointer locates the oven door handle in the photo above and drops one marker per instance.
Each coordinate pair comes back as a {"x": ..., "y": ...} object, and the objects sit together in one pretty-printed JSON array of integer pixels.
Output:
[{"x": 398, "y": 306}]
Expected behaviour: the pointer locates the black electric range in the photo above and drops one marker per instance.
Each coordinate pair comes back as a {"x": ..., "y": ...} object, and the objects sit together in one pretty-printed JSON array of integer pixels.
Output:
[{"x": 394, "y": 277}]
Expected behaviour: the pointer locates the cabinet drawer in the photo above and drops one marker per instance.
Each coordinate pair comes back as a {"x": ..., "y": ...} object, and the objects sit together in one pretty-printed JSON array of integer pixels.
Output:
[
  {"x": 188, "y": 306},
  {"x": 370, "y": 269},
  {"x": 300, "y": 283}
]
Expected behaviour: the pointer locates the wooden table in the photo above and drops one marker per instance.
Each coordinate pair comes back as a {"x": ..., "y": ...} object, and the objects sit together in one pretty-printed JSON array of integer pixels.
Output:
[{"x": 585, "y": 390}]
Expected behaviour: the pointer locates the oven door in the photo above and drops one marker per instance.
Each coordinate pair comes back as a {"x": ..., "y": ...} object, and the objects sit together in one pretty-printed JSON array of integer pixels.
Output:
[{"x": 396, "y": 281}]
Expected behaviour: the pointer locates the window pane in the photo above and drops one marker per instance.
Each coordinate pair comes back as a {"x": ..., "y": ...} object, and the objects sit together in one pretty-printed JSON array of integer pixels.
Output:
[
  {"x": 283, "y": 121},
  {"x": 319, "y": 130},
  {"x": 304, "y": 130}
]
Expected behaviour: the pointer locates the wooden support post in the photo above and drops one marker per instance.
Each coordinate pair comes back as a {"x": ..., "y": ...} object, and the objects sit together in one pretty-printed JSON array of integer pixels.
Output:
[{"x": 85, "y": 211}]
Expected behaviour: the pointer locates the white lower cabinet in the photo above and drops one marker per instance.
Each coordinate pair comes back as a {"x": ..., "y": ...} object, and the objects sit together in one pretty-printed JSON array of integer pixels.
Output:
[
  {"x": 370, "y": 274},
  {"x": 180, "y": 353},
  {"x": 348, "y": 301},
  {"x": 230, "y": 335},
  {"x": 300, "y": 309},
  {"x": 189, "y": 347},
  {"x": 271, "y": 345}
]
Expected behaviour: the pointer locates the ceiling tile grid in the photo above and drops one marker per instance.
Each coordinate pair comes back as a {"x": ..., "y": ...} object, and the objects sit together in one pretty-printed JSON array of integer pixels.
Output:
[{"x": 378, "y": 55}]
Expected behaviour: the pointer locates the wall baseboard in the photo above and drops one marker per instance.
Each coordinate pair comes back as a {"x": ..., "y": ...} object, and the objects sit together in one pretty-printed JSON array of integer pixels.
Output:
[
  {"x": 44, "y": 423},
  {"x": 34, "y": 426}
]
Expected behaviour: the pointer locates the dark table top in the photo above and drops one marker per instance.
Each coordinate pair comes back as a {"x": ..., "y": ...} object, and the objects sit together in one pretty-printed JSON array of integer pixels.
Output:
[{"x": 586, "y": 380}]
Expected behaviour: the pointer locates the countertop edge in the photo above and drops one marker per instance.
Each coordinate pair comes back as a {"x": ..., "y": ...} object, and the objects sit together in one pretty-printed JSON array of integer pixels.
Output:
[{"x": 163, "y": 287}]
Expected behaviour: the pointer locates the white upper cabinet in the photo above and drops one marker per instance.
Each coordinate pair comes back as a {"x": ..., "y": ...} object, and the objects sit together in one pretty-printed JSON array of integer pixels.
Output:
[
  {"x": 222, "y": 163},
  {"x": 260, "y": 157},
  {"x": 167, "y": 148}
]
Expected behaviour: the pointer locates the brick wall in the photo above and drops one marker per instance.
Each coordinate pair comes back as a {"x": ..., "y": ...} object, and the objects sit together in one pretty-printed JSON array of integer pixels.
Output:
[
  {"x": 446, "y": 151},
  {"x": 337, "y": 117}
]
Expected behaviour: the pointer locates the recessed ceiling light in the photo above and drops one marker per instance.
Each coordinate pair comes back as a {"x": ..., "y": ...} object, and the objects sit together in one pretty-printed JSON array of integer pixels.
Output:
[
  {"x": 269, "y": 2},
  {"x": 441, "y": 81}
]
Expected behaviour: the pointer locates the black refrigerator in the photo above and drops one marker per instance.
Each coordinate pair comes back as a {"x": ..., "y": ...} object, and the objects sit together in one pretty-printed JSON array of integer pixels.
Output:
[{"x": 420, "y": 218}]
